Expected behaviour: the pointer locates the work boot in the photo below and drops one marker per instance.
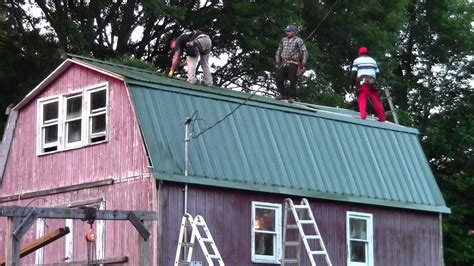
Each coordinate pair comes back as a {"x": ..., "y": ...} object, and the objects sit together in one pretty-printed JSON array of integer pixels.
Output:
[{"x": 279, "y": 98}]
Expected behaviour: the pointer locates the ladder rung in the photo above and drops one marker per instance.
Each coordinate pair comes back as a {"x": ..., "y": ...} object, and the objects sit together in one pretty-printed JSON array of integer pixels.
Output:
[
  {"x": 199, "y": 224},
  {"x": 214, "y": 257},
  {"x": 187, "y": 244},
  {"x": 207, "y": 240},
  {"x": 313, "y": 237},
  {"x": 292, "y": 243},
  {"x": 291, "y": 261},
  {"x": 300, "y": 206},
  {"x": 184, "y": 263},
  {"x": 318, "y": 252},
  {"x": 306, "y": 221},
  {"x": 291, "y": 226}
]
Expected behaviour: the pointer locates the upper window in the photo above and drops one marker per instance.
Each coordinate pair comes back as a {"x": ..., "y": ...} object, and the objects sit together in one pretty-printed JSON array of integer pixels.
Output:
[
  {"x": 266, "y": 232},
  {"x": 73, "y": 120},
  {"x": 359, "y": 239}
]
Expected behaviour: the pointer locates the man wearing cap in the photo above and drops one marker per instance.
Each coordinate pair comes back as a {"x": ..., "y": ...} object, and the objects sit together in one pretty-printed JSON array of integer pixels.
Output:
[
  {"x": 290, "y": 59},
  {"x": 364, "y": 75},
  {"x": 197, "y": 47}
]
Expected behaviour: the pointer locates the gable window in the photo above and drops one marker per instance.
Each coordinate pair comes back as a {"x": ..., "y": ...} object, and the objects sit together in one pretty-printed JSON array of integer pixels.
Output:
[
  {"x": 266, "y": 232},
  {"x": 359, "y": 239},
  {"x": 73, "y": 120},
  {"x": 49, "y": 124}
]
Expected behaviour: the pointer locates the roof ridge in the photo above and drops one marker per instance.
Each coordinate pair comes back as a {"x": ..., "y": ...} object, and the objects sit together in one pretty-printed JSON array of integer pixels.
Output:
[{"x": 112, "y": 64}]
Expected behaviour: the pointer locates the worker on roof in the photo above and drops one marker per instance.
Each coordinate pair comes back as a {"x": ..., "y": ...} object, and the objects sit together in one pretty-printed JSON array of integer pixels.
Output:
[
  {"x": 290, "y": 59},
  {"x": 197, "y": 47},
  {"x": 364, "y": 76}
]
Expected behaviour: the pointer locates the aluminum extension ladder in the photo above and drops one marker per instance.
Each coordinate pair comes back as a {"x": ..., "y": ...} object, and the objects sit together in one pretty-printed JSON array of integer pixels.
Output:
[
  {"x": 393, "y": 110},
  {"x": 298, "y": 212},
  {"x": 195, "y": 225}
]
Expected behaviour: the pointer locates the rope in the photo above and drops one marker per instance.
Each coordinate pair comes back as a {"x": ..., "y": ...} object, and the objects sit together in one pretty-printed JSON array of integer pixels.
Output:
[{"x": 195, "y": 136}]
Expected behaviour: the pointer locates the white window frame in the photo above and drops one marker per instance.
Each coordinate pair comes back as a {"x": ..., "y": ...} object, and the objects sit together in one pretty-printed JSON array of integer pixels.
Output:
[
  {"x": 42, "y": 124},
  {"x": 79, "y": 143},
  {"x": 370, "y": 241},
  {"x": 96, "y": 112},
  {"x": 86, "y": 118},
  {"x": 99, "y": 226},
  {"x": 276, "y": 258}
]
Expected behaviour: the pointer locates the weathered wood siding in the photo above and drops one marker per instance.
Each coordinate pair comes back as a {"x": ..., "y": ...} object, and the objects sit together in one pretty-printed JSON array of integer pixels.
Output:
[
  {"x": 401, "y": 237},
  {"x": 121, "y": 238},
  {"x": 123, "y": 156}
]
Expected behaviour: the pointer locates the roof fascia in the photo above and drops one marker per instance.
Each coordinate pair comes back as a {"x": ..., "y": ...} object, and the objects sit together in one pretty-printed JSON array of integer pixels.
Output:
[
  {"x": 297, "y": 192},
  {"x": 57, "y": 72}
]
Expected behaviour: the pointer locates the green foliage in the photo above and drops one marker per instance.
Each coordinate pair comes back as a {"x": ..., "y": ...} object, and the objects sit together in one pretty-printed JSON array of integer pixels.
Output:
[{"x": 133, "y": 62}]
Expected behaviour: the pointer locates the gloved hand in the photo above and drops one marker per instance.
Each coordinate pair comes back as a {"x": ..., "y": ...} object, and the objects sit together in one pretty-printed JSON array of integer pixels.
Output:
[
  {"x": 301, "y": 70},
  {"x": 170, "y": 74}
]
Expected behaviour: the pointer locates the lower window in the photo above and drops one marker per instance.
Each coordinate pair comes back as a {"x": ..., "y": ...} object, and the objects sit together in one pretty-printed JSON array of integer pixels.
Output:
[
  {"x": 266, "y": 232},
  {"x": 359, "y": 239}
]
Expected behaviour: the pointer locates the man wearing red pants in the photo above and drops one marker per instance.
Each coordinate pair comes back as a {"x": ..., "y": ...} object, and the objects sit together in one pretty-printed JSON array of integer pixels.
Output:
[{"x": 364, "y": 72}]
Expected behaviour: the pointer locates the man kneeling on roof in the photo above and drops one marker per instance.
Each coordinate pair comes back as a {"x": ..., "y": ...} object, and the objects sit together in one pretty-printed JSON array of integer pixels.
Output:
[
  {"x": 290, "y": 59},
  {"x": 197, "y": 47},
  {"x": 364, "y": 75}
]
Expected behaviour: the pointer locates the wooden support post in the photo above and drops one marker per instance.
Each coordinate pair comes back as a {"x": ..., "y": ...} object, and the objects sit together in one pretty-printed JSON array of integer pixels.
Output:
[
  {"x": 145, "y": 248},
  {"x": 12, "y": 254}
]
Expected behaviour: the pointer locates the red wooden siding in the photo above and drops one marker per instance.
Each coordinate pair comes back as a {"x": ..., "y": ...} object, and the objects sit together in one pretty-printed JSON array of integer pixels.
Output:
[
  {"x": 122, "y": 239},
  {"x": 401, "y": 237},
  {"x": 123, "y": 156}
]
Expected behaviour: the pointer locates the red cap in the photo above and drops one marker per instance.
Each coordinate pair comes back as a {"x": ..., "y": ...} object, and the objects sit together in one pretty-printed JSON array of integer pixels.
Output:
[{"x": 363, "y": 50}]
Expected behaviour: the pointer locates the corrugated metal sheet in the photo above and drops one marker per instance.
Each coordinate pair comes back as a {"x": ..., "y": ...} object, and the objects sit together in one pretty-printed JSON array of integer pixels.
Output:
[{"x": 275, "y": 147}]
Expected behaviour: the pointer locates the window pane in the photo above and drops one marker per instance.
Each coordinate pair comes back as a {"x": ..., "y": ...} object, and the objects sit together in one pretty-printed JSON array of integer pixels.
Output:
[
  {"x": 74, "y": 131},
  {"x": 50, "y": 111},
  {"x": 264, "y": 244},
  {"x": 265, "y": 219},
  {"x": 98, "y": 99},
  {"x": 358, "y": 251},
  {"x": 74, "y": 107},
  {"x": 358, "y": 228},
  {"x": 98, "y": 124},
  {"x": 51, "y": 134}
]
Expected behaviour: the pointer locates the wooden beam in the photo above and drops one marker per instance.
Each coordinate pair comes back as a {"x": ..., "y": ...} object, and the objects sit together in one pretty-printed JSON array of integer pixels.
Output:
[
  {"x": 116, "y": 260},
  {"x": 27, "y": 222},
  {"x": 68, "y": 213},
  {"x": 139, "y": 226},
  {"x": 47, "y": 192},
  {"x": 40, "y": 242}
]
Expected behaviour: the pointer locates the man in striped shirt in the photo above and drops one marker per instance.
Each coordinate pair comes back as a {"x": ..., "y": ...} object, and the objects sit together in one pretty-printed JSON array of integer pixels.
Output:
[
  {"x": 290, "y": 60},
  {"x": 364, "y": 73}
]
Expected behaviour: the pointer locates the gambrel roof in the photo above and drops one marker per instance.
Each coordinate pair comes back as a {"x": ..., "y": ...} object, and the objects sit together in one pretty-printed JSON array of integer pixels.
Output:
[{"x": 276, "y": 147}]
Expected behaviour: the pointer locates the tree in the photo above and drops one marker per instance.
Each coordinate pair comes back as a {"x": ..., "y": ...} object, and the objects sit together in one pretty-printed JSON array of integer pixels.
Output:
[{"x": 435, "y": 73}]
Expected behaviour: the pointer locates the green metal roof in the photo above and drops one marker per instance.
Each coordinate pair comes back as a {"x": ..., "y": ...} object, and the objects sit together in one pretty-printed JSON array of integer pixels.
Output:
[{"x": 276, "y": 147}]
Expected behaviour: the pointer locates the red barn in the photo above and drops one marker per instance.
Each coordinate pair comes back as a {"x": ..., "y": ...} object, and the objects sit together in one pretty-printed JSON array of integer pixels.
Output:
[{"x": 99, "y": 134}]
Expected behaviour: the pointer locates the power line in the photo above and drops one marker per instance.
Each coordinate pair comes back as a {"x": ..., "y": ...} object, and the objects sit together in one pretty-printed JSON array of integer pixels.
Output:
[{"x": 194, "y": 115}]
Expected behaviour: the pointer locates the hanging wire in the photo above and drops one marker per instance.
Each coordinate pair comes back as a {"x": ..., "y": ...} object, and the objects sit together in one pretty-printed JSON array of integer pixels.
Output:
[{"x": 194, "y": 115}]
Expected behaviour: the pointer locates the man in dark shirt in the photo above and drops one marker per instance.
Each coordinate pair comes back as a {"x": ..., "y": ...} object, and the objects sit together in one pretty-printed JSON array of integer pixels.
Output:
[{"x": 197, "y": 47}]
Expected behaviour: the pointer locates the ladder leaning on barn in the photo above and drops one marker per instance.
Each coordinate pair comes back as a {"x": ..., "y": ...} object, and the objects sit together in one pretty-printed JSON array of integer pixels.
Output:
[
  {"x": 312, "y": 249},
  {"x": 196, "y": 224}
]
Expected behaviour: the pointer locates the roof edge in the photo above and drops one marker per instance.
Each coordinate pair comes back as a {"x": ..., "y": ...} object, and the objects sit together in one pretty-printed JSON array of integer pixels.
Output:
[
  {"x": 297, "y": 192},
  {"x": 56, "y": 73}
]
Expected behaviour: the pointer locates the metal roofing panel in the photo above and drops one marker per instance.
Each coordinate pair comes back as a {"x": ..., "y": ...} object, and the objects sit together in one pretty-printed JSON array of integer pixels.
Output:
[
  {"x": 265, "y": 146},
  {"x": 297, "y": 149}
]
